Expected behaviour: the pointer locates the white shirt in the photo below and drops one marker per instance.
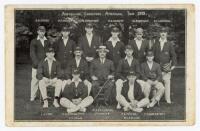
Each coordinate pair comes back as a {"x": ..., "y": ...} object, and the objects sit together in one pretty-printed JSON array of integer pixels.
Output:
[
  {"x": 50, "y": 62},
  {"x": 65, "y": 40},
  {"x": 138, "y": 43},
  {"x": 42, "y": 40},
  {"x": 76, "y": 82},
  {"x": 162, "y": 42},
  {"x": 77, "y": 61},
  {"x": 102, "y": 60},
  {"x": 130, "y": 92},
  {"x": 129, "y": 60},
  {"x": 114, "y": 41},
  {"x": 150, "y": 65},
  {"x": 89, "y": 38}
]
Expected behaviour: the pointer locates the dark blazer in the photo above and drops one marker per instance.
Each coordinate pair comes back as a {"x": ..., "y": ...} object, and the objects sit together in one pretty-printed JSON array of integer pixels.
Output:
[
  {"x": 83, "y": 68},
  {"x": 63, "y": 53},
  {"x": 153, "y": 74},
  {"x": 166, "y": 55},
  {"x": 37, "y": 51},
  {"x": 123, "y": 68},
  {"x": 71, "y": 92},
  {"x": 101, "y": 71},
  {"x": 115, "y": 53},
  {"x": 140, "y": 54},
  {"x": 89, "y": 51},
  {"x": 137, "y": 92},
  {"x": 43, "y": 70}
]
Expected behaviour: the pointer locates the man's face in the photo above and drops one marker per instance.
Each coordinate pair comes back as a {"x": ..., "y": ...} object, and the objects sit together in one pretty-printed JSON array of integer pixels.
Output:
[
  {"x": 150, "y": 58},
  {"x": 50, "y": 55},
  {"x": 78, "y": 53},
  {"x": 89, "y": 30},
  {"x": 76, "y": 76},
  {"x": 131, "y": 79},
  {"x": 41, "y": 33},
  {"x": 139, "y": 36},
  {"x": 114, "y": 34},
  {"x": 128, "y": 52},
  {"x": 65, "y": 33},
  {"x": 102, "y": 54},
  {"x": 163, "y": 35}
]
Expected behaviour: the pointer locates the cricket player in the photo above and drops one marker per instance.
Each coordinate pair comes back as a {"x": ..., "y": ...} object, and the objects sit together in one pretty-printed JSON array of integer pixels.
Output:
[
  {"x": 165, "y": 55},
  {"x": 37, "y": 53},
  {"x": 139, "y": 45},
  {"x": 89, "y": 43},
  {"x": 82, "y": 65},
  {"x": 49, "y": 74},
  {"x": 151, "y": 79},
  {"x": 129, "y": 94},
  {"x": 115, "y": 46},
  {"x": 101, "y": 72},
  {"x": 75, "y": 96}
]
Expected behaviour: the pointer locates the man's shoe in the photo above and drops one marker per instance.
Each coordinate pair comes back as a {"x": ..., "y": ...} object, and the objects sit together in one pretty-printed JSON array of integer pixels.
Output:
[
  {"x": 45, "y": 105},
  {"x": 137, "y": 109},
  {"x": 55, "y": 103},
  {"x": 72, "y": 110},
  {"x": 82, "y": 110},
  {"x": 119, "y": 106},
  {"x": 153, "y": 103}
]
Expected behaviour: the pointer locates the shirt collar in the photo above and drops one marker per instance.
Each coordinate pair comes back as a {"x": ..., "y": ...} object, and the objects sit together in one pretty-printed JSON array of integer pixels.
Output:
[
  {"x": 65, "y": 39},
  {"x": 165, "y": 40},
  {"x": 78, "y": 80},
  {"x": 127, "y": 57},
  {"x": 38, "y": 38},
  {"x": 111, "y": 39},
  {"x": 138, "y": 40},
  {"x": 47, "y": 59}
]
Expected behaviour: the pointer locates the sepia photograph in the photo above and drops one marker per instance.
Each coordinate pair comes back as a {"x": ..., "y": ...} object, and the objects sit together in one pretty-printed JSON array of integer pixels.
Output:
[{"x": 107, "y": 63}]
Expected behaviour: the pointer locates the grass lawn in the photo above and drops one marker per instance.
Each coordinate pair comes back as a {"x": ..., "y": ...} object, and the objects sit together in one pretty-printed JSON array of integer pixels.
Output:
[{"x": 26, "y": 110}]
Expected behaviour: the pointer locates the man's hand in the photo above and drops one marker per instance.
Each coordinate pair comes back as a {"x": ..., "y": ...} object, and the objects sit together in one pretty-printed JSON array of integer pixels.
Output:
[
  {"x": 134, "y": 103},
  {"x": 54, "y": 80},
  {"x": 94, "y": 78},
  {"x": 172, "y": 68},
  {"x": 89, "y": 59},
  {"x": 46, "y": 80},
  {"x": 110, "y": 76},
  {"x": 149, "y": 81},
  {"x": 76, "y": 101}
]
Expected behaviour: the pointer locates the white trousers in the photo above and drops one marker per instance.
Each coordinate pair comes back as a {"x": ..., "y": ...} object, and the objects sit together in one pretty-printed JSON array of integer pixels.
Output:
[
  {"x": 43, "y": 87},
  {"x": 158, "y": 86},
  {"x": 34, "y": 84},
  {"x": 69, "y": 105},
  {"x": 167, "y": 84}
]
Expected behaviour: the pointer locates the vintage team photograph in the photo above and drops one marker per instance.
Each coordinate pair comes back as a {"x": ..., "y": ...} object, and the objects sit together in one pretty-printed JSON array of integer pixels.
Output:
[{"x": 104, "y": 64}]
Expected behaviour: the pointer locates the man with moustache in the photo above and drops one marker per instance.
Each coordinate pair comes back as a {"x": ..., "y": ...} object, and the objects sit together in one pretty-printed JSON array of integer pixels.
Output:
[{"x": 102, "y": 74}]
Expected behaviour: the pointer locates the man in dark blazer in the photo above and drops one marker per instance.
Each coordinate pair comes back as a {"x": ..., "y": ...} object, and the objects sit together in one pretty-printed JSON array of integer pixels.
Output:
[
  {"x": 75, "y": 96},
  {"x": 101, "y": 72},
  {"x": 49, "y": 74},
  {"x": 165, "y": 55},
  {"x": 80, "y": 64},
  {"x": 151, "y": 77},
  {"x": 139, "y": 45},
  {"x": 37, "y": 53},
  {"x": 115, "y": 47},
  {"x": 130, "y": 96},
  {"x": 64, "y": 48},
  {"x": 129, "y": 63},
  {"x": 89, "y": 43}
]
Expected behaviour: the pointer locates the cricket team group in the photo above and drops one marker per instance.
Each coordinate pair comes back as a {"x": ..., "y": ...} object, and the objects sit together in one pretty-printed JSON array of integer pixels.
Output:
[{"x": 130, "y": 76}]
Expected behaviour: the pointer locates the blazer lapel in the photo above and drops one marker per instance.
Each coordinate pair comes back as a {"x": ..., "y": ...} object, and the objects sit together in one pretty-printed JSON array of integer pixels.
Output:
[
  {"x": 53, "y": 67},
  {"x": 135, "y": 45},
  {"x": 47, "y": 67}
]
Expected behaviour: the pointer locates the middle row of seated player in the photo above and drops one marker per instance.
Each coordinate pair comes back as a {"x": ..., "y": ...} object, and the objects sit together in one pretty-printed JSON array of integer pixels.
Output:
[{"x": 77, "y": 86}]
